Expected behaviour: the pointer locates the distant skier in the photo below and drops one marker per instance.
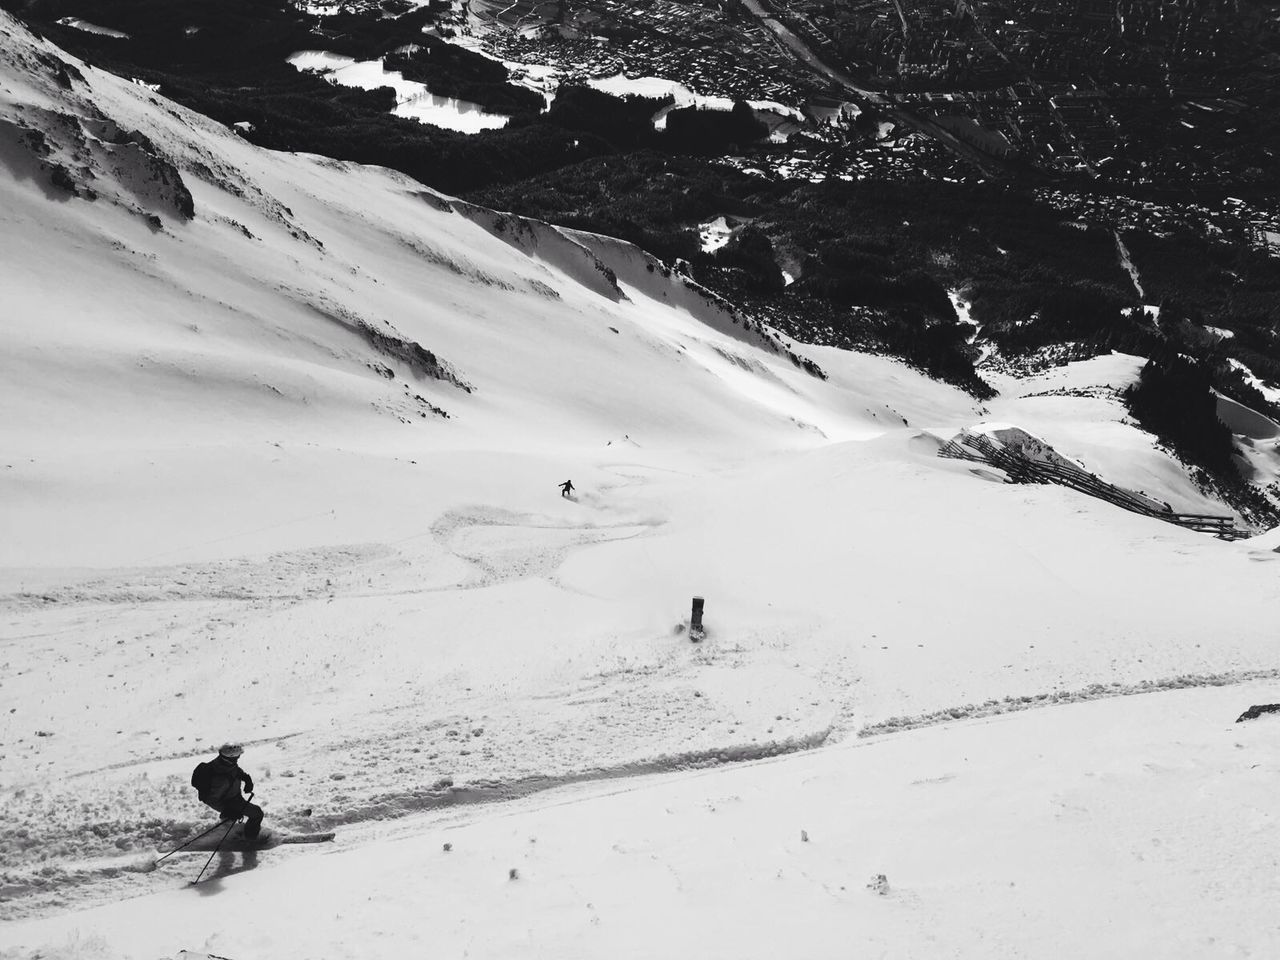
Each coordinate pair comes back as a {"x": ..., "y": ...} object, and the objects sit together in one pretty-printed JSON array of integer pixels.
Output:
[
  {"x": 218, "y": 783},
  {"x": 566, "y": 488}
]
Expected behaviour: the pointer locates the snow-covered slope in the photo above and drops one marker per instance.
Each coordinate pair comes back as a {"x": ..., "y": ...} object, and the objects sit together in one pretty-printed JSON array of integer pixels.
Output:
[
  {"x": 206, "y": 293},
  {"x": 1134, "y": 827},
  {"x": 1077, "y": 409},
  {"x": 233, "y": 508}
]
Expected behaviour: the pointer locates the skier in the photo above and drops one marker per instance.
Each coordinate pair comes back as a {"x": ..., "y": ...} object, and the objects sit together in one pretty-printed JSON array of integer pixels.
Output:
[
  {"x": 218, "y": 783},
  {"x": 566, "y": 488}
]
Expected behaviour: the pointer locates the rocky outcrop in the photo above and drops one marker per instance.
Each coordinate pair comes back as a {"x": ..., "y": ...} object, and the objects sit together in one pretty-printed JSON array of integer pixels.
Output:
[
  {"x": 75, "y": 150},
  {"x": 91, "y": 158},
  {"x": 1257, "y": 710}
]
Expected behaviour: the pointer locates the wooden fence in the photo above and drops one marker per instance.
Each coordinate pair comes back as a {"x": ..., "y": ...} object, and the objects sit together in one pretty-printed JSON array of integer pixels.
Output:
[{"x": 1022, "y": 469}]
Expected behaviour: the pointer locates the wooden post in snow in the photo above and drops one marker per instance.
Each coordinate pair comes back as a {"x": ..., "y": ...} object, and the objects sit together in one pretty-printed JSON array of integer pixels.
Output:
[{"x": 696, "y": 632}]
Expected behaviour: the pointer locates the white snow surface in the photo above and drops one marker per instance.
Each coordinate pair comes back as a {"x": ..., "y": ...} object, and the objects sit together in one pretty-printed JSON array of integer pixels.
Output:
[
  {"x": 1135, "y": 827},
  {"x": 413, "y": 99},
  {"x": 1271, "y": 393},
  {"x": 88, "y": 27},
  {"x": 714, "y": 234},
  {"x": 230, "y": 514},
  {"x": 1077, "y": 410},
  {"x": 621, "y": 85}
]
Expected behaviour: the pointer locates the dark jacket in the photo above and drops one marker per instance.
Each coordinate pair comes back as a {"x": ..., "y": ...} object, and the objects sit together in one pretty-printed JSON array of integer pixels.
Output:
[{"x": 218, "y": 781}]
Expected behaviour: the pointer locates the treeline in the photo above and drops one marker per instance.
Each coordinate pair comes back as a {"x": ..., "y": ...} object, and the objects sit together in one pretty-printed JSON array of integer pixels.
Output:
[
  {"x": 1228, "y": 286},
  {"x": 875, "y": 263},
  {"x": 1209, "y": 280},
  {"x": 625, "y": 122},
  {"x": 705, "y": 131},
  {"x": 449, "y": 70},
  {"x": 1174, "y": 399},
  {"x": 858, "y": 288},
  {"x": 646, "y": 197},
  {"x": 896, "y": 254}
]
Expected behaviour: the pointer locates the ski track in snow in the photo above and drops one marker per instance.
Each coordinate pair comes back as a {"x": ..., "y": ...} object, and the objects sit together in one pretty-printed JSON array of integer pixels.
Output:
[
  {"x": 1096, "y": 691},
  {"x": 94, "y": 880},
  {"x": 82, "y": 838},
  {"x": 504, "y": 547},
  {"x": 89, "y": 880},
  {"x": 86, "y": 835},
  {"x": 61, "y": 849}
]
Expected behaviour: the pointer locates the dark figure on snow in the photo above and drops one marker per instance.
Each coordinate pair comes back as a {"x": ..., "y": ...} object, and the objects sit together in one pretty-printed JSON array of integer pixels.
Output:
[
  {"x": 218, "y": 783},
  {"x": 566, "y": 488}
]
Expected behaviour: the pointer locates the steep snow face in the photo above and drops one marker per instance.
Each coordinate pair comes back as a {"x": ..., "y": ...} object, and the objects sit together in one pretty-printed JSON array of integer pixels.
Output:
[{"x": 206, "y": 293}]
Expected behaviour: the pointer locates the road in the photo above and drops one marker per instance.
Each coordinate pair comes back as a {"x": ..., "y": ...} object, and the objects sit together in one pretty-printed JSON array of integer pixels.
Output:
[{"x": 878, "y": 99}]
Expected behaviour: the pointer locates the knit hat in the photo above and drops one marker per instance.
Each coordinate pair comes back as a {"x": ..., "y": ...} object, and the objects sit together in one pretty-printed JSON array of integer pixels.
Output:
[{"x": 230, "y": 750}]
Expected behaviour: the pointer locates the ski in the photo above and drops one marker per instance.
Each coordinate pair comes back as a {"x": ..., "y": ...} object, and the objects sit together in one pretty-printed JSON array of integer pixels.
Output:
[
  {"x": 307, "y": 837},
  {"x": 236, "y": 842}
]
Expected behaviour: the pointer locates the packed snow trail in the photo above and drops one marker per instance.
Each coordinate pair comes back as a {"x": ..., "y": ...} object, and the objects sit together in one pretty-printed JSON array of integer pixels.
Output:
[
  {"x": 497, "y": 658},
  {"x": 1060, "y": 832}
]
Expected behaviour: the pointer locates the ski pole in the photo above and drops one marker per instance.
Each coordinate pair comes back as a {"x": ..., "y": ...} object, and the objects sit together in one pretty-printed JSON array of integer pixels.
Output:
[
  {"x": 187, "y": 843},
  {"x": 220, "y": 843},
  {"x": 215, "y": 851}
]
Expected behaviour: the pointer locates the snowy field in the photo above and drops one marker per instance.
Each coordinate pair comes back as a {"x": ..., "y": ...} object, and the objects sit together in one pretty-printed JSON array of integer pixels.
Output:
[
  {"x": 1138, "y": 827},
  {"x": 233, "y": 509},
  {"x": 782, "y": 120},
  {"x": 413, "y": 99}
]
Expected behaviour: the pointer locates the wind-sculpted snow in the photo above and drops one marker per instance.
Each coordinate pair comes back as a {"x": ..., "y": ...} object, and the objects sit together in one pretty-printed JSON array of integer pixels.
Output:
[
  {"x": 650, "y": 276},
  {"x": 90, "y": 158},
  {"x": 77, "y": 151},
  {"x": 545, "y": 242},
  {"x": 389, "y": 342}
]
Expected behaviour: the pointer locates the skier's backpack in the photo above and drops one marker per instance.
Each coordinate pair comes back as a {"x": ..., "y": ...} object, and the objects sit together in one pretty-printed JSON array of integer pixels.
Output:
[{"x": 200, "y": 778}]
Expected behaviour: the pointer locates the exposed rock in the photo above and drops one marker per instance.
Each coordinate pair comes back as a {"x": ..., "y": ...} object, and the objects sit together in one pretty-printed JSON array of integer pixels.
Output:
[
  {"x": 1257, "y": 710},
  {"x": 76, "y": 150},
  {"x": 421, "y": 360}
]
